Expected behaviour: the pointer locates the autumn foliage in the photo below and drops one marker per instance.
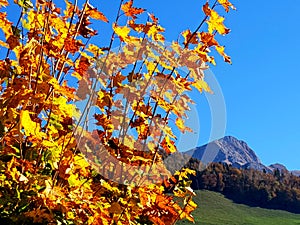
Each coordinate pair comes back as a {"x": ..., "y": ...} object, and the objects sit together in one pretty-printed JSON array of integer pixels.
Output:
[{"x": 54, "y": 169}]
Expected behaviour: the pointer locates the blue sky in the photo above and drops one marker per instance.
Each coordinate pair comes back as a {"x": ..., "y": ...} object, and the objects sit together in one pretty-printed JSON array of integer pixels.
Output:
[{"x": 261, "y": 87}]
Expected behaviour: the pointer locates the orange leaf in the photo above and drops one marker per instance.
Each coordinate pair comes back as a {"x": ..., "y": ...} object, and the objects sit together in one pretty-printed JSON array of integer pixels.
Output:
[
  {"x": 206, "y": 9},
  {"x": 115, "y": 208},
  {"x": 83, "y": 66},
  {"x": 3, "y": 3},
  {"x": 153, "y": 18},
  {"x": 168, "y": 145},
  {"x": 143, "y": 131},
  {"x": 95, "y": 14},
  {"x": 72, "y": 45},
  {"x": 208, "y": 39},
  {"x": 189, "y": 38},
  {"x": 226, "y": 4},
  {"x": 131, "y": 11}
]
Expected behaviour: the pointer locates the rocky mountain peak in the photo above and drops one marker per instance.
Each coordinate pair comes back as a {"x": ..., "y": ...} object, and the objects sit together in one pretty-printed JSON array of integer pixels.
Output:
[
  {"x": 234, "y": 152},
  {"x": 228, "y": 150}
]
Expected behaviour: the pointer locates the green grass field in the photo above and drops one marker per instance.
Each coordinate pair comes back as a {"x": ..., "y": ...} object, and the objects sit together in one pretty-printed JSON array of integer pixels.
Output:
[{"x": 215, "y": 209}]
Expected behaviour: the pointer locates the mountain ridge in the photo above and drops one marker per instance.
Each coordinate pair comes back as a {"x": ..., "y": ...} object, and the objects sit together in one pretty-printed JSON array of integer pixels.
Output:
[{"x": 234, "y": 152}]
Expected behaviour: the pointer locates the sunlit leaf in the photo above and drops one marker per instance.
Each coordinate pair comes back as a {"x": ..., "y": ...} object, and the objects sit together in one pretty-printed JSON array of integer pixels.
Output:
[
  {"x": 180, "y": 124},
  {"x": 221, "y": 49},
  {"x": 30, "y": 127},
  {"x": 226, "y": 4},
  {"x": 131, "y": 11},
  {"x": 95, "y": 14},
  {"x": 168, "y": 145},
  {"x": 215, "y": 22}
]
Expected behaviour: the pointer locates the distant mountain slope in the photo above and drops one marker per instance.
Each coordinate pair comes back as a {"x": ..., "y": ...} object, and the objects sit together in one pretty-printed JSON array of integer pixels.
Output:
[
  {"x": 227, "y": 149},
  {"x": 214, "y": 209},
  {"x": 296, "y": 172},
  {"x": 234, "y": 152},
  {"x": 278, "y": 166}
]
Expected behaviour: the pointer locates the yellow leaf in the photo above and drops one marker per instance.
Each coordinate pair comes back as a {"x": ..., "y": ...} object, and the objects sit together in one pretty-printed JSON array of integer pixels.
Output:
[
  {"x": 65, "y": 108},
  {"x": 201, "y": 85},
  {"x": 74, "y": 181},
  {"x": 215, "y": 22},
  {"x": 221, "y": 49},
  {"x": 122, "y": 32},
  {"x": 2, "y": 43},
  {"x": 95, "y": 50},
  {"x": 81, "y": 161},
  {"x": 180, "y": 124},
  {"x": 5, "y": 25},
  {"x": 168, "y": 145},
  {"x": 30, "y": 127}
]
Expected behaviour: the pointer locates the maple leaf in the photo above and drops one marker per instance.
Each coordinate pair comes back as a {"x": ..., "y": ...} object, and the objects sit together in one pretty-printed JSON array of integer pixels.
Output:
[
  {"x": 221, "y": 49},
  {"x": 104, "y": 99},
  {"x": 13, "y": 41},
  {"x": 226, "y": 4},
  {"x": 65, "y": 109},
  {"x": 154, "y": 32},
  {"x": 84, "y": 30},
  {"x": 72, "y": 45},
  {"x": 168, "y": 145},
  {"x": 122, "y": 32},
  {"x": 83, "y": 89},
  {"x": 95, "y": 50},
  {"x": 215, "y": 22},
  {"x": 153, "y": 18},
  {"x": 30, "y": 127},
  {"x": 3, "y": 3},
  {"x": 2, "y": 43},
  {"x": 180, "y": 124},
  {"x": 95, "y": 14},
  {"x": 5, "y": 25},
  {"x": 83, "y": 66},
  {"x": 201, "y": 85},
  {"x": 115, "y": 208},
  {"x": 206, "y": 9},
  {"x": 131, "y": 11},
  {"x": 143, "y": 131},
  {"x": 189, "y": 38},
  {"x": 208, "y": 39}
]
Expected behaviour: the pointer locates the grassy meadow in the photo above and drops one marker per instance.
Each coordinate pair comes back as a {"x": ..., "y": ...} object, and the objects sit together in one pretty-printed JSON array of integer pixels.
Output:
[{"x": 215, "y": 209}]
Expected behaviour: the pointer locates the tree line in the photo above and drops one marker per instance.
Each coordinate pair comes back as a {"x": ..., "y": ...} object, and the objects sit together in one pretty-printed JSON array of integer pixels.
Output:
[{"x": 277, "y": 190}]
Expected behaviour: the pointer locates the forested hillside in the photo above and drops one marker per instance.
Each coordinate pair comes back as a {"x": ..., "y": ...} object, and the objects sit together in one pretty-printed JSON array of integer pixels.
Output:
[{"x": 280, "y": 190}]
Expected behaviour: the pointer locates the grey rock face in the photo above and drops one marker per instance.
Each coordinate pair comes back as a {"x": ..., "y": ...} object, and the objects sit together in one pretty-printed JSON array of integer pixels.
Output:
[
  {"x": 227, "y": 150},
  {"x": 296, "y": 172}
]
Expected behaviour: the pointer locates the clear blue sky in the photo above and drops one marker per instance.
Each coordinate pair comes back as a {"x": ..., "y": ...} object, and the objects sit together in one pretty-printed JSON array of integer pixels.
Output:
[{"x": 261, "y": 87}]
